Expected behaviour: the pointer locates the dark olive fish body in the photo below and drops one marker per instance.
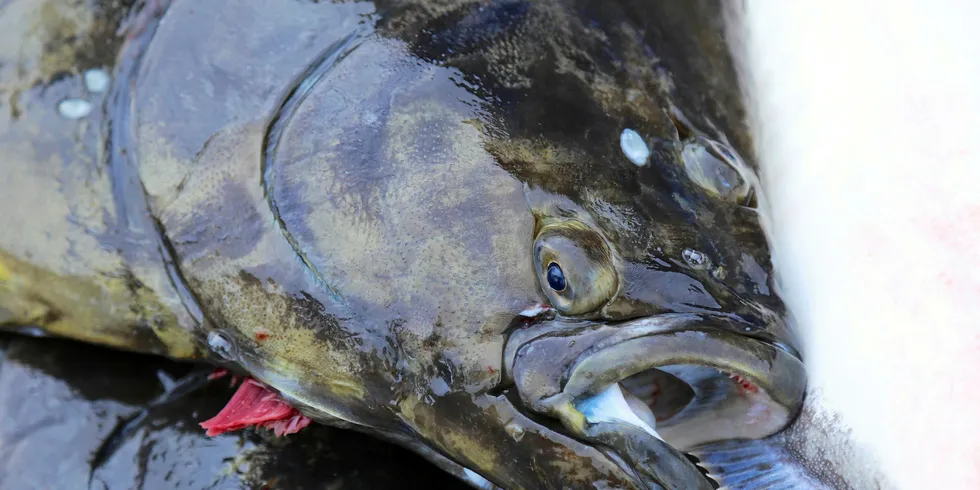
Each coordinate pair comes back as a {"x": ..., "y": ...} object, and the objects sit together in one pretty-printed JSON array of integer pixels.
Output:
[{"x": 472, "y": 228}]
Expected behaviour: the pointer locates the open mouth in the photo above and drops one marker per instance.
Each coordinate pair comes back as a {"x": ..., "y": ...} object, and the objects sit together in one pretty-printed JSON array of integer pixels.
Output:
[{"x": 648, "y": 389}]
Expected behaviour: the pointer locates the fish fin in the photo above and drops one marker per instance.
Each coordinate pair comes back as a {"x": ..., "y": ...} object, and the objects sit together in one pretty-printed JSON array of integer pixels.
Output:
[{"x": 753, "y": 465}]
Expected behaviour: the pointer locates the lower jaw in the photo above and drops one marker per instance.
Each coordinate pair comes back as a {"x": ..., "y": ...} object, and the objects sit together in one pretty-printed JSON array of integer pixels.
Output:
[
  {"x": 652, "y": 443},
  {"x": 716, "y": 384},
  {"x": 625, "y": 426},
  {"x": 607, "y": 421},
  {"x": 649, "y": 428}
]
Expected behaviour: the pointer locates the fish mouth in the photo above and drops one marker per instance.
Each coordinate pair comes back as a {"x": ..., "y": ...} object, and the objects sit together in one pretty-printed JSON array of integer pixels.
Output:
[{"x": 644, "y": 391}]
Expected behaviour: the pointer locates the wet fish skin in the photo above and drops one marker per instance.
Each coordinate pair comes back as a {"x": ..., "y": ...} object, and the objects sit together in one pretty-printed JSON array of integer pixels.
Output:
[{"x": 364, "y": 242}]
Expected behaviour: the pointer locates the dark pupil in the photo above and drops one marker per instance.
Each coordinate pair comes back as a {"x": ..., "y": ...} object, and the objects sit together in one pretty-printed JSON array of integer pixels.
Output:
[{"x": 556, "y": 278}]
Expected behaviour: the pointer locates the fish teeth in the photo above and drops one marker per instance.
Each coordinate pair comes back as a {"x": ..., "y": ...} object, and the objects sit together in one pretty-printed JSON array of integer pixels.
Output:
[
  {"x": 746, "y": 384},
  {"x": 609, "y": 405}
]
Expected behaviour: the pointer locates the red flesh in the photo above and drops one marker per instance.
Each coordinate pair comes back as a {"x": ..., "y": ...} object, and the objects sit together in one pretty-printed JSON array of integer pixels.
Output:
[{"x": 256, "y": 405}]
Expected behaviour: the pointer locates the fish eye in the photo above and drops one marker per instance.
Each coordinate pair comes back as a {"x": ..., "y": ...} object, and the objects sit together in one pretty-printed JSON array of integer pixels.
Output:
[
  {"x": 575, "y": 267},
  {"x": 716, "y": 168},
  {"x": 556, "y": 278}
]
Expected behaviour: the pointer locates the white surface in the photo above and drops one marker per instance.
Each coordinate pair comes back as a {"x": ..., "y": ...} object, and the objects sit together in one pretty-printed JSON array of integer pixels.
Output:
[
  {"x": 74, "y": 108},
  {"x": 96, "y": 80},
  {"x": 868, "y": 117}
]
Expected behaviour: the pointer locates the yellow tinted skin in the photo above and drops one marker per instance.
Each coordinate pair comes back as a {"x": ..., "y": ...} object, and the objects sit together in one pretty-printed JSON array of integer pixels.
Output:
[{"x": 75, "y": 259}]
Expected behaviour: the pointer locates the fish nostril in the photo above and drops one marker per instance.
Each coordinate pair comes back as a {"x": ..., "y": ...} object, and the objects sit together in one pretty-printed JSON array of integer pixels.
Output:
[
  {"x": 715, "y": 168},
  {"x": 681, "y": 124}
]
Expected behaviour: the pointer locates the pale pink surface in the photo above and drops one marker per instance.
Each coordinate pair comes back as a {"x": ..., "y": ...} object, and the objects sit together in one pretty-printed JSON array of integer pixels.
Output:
[
  {"x": 868, "y": 117},
  {"x": 255, "y": 405}
]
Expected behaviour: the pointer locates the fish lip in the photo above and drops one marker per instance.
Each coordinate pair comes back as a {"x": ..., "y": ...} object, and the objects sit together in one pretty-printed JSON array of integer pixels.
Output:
[
  {"x": 553, "y": 376},
  {"x": 546, "y": 324},
  {"x": 685, "y": 339}
]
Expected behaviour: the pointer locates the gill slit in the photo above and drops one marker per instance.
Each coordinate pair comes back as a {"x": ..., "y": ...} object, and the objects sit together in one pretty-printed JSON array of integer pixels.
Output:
[{"x": 294, "y": 97}]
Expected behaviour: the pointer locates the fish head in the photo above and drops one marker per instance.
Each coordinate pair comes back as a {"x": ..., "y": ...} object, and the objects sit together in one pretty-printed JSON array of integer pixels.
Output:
[
  {"x": 553, "y": 284},
  {"x": 519, "y": 296},
  {"x": 660, "y": 329}
]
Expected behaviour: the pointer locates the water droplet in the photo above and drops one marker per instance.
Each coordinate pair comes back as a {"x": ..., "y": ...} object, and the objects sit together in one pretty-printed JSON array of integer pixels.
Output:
[
  {"x": 634, "y": 147},
  {"x": 515, "y": 431},
  {"x": 694, "y": 258},
  {"x": 223, "y": 345},
  {"x": 74, "y": 108},
  {"x": 97, "y": 80}
]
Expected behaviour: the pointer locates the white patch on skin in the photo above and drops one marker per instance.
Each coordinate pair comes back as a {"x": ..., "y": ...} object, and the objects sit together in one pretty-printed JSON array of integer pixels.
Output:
[
  {"x": 867, "y": 134},
  {"x": 634, "y": 147},
  {"x": 534, "y": 311},
  {"x": 97, "y": 80},
  {"x": 74, "y": 108},
  {"x": 610, "y": 405}
]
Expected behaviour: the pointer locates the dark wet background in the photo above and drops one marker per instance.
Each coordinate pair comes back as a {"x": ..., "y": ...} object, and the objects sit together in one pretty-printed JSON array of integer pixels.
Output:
[{"x": 59, "y": 400}]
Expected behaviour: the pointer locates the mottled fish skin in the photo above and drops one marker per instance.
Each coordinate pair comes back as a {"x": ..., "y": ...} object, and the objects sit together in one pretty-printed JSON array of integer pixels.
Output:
[
  {"x": 73, "y": 258},
  {"x": 355, "y": 199}
]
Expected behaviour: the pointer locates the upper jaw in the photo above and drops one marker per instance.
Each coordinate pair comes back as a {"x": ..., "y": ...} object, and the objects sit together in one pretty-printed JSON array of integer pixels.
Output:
[{"x": 721, "y": 385}]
